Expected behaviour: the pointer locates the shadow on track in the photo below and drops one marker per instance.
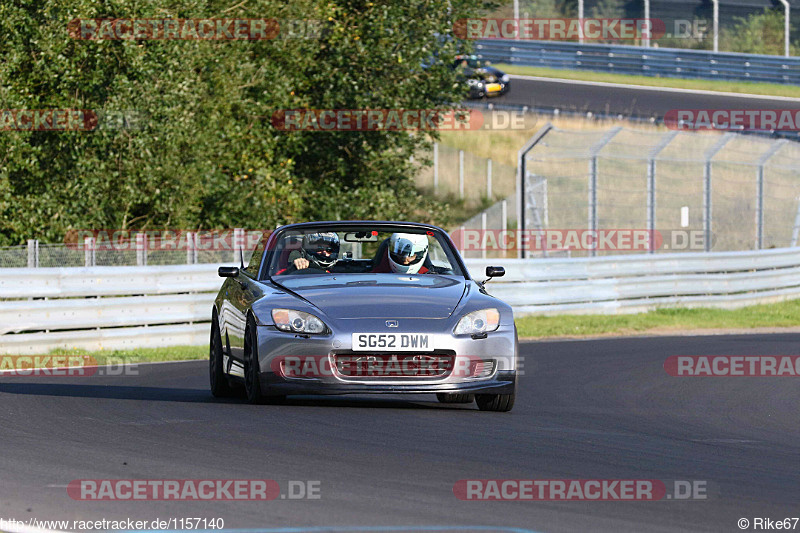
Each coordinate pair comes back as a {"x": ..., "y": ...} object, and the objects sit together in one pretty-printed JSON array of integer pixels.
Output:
[{"x": 182, "y": 395}]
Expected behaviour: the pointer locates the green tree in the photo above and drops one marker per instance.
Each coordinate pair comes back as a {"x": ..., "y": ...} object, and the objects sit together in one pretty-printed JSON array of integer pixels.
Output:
[
  {"x": 759, "y": 33},
  {"x": 204, "y": 153}
]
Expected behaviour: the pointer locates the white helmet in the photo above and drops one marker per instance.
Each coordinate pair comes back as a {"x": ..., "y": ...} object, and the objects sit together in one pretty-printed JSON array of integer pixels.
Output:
[{"x": 403, "y": 246}]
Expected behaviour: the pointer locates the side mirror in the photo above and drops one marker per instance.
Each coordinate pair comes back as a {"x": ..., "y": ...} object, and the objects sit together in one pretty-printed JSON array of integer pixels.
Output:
[
  {"x": 495, "y": 272},
  {"x": 228, "y": 272}
]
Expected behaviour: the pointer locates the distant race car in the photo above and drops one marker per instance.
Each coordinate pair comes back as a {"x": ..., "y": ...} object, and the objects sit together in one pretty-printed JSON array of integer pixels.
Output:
[
  {"x": 481, "y": 78},
  {"x": 361, "y": 307}
]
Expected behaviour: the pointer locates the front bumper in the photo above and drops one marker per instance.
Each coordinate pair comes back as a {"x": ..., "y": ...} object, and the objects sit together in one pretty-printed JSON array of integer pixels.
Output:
[
  {"x": 500, "y": 347},
  {"x": 504, "y": 382}
]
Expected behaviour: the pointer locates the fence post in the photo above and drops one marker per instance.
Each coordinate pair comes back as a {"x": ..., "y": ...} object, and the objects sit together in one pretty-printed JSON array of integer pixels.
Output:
[
  {"x": 796, "y": 229},
  {"x": 522, "y": 176},
  {"x": 707, "y": 207},
  {"x": 435, "y": 167},
  {"x": 489, "y": 178},
  {"x": 141, "y": 249},
  {"x": 594, "y": 151},
  {"x": 504, "y": 223},
  {"x": 33, "y": 253},
  {"x": 651, "y": 188},
  {"x": 483, "y": 234},
  {"x": 461, "y": 174},
  {"x": 89, "y": 258},
  {"x": 191, "y": 248},
  {"x": 762, "y": 161}
]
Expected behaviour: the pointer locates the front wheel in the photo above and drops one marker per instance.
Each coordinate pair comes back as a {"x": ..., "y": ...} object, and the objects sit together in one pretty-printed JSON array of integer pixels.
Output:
[
  {"x": 252, "y": 382},
  {"x": 220, "y": 388},
  {"x": 252, "y": 378},
  {"x": 495, "y": 402}
]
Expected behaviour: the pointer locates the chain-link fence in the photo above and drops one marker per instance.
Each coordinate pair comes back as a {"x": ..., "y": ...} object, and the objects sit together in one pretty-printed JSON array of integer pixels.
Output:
[
  {"x": 456, "y": 174},
  {"x": 121, "y": 253},
  {"x": 695, "y": 192}
]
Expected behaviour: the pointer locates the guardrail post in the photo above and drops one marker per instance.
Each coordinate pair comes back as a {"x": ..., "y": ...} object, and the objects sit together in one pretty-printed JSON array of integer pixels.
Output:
[
  {"x": 489, "y": 178},
  {"x": 461, "y": 174},
  {"x": 522, "y": 177},
  {"x": 707, "y": 207},
  {"x": 141, "y": 249},
  {"x": 435, "y": 167},
  {"x": 89, "y": 258}
]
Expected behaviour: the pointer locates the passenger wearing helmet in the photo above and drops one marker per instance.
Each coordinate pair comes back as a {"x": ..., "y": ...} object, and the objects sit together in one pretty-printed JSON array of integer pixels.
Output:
[
  {"x": 319, "y": 251},
  {"x": 405, "y": 254}
]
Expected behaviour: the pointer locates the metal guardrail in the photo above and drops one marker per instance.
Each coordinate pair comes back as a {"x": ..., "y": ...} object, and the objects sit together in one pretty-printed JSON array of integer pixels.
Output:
[
  {"x": 129, "y": 307},
  {"x": 622, "y": 59}
]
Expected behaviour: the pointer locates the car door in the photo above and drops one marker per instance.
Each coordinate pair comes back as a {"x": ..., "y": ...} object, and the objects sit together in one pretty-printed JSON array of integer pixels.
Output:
[{"x": 241, "y": 293}]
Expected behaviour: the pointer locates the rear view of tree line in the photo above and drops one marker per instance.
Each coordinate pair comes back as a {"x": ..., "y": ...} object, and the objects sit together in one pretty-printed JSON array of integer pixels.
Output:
[{"x": 202, "y": 152}]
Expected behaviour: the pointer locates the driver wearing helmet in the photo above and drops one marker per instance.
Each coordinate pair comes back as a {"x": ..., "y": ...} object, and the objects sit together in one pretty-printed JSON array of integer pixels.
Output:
[
  {"x": 405, "y": 254},
  {"x": 319, "y": 251}
]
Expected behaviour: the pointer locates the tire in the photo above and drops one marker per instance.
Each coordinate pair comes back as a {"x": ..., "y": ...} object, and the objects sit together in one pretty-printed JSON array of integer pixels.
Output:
[
  {"x": 252, "y": 381},
  {"x": 218, "y": 381},
  {"x": 449, "y": 397},
  {"x": 495, "y": 402}
]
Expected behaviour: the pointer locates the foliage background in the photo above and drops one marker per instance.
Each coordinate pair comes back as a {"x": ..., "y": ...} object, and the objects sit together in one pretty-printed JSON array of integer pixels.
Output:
[{"x": 203, "y": 153}]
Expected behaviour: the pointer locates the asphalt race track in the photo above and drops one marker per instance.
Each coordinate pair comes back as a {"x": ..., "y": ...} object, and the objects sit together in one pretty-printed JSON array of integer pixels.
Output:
[
  {"x": 609, "y": 99},
  {"x": 586, "y": 410}
]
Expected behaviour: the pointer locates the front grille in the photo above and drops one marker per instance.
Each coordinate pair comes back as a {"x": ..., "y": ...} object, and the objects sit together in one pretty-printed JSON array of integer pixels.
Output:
[{"x": 429, "y": 365}]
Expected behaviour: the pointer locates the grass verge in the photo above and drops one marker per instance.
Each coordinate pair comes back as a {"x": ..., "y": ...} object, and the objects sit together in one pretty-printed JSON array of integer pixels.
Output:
[
  {"x": 138, "y": 355},
  {"x": 766, "y": 89},
  {"x": 662, "y": 321}
]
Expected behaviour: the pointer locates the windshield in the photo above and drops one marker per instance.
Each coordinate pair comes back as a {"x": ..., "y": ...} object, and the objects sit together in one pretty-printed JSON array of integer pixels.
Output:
[{"x": 362, "y": 250}]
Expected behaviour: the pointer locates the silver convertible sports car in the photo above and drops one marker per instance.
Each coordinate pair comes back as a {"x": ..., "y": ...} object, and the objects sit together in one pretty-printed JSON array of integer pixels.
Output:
[{"x": 361, "y": 308}]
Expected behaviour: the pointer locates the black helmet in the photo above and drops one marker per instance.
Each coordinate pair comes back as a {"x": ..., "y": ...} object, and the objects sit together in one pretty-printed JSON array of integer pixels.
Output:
[{"x": 321, "y": 249}]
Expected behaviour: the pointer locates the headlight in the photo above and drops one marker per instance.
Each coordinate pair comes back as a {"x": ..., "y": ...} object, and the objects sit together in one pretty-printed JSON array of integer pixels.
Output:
[
  {"x": 481, "y": 321},
  {"x": 298, "y": 322},
  {"x": 506, "y": 78}
]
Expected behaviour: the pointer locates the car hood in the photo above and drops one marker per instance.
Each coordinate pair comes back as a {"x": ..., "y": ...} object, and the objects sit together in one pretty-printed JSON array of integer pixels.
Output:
[{"x": 379, "y": 295}]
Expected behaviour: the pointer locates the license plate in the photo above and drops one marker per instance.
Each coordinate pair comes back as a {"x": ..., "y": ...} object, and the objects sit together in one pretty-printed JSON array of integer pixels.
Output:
[
  {"x": 494, "y": 87},
  {"x": 397, "y": 342}
]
